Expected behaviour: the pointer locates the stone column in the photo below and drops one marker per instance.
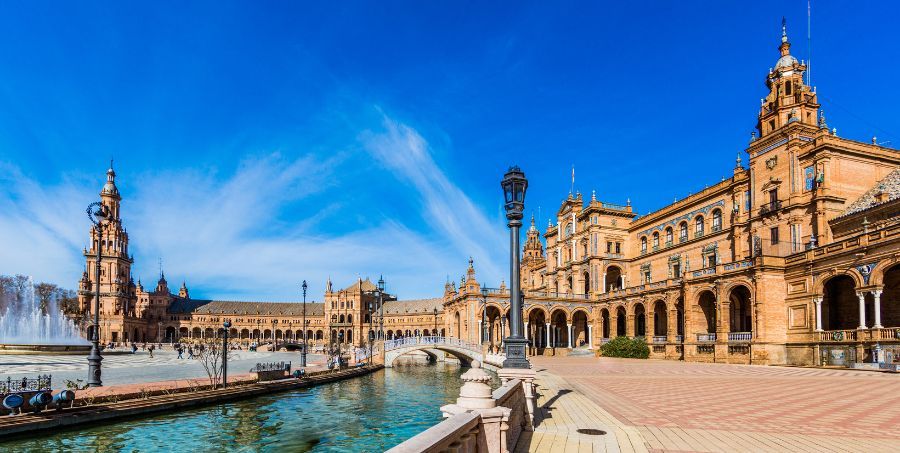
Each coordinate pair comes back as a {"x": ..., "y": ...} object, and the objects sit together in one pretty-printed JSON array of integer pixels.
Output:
[
  {"x": 480, "y": 333},
  {"x": 590, "y": 336},
  {"x": 527, "y": 335},
  {"x": 671, "y": 325},
  {"x": 629, "y": 324},
  {"x": 548, "y": 335},
  {"x": 862, "y": 310},
  {"x": 877, "y": 295},
  {"x": 613, "y": 324},
  {"x": 603, "y": 284},
  {"x": 818, "y": 301},
  {"x": 569, "y": 333}
]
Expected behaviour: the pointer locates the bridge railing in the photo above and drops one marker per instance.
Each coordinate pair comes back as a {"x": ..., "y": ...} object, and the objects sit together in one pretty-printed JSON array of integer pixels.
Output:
[{"x": 398, "y": 343}]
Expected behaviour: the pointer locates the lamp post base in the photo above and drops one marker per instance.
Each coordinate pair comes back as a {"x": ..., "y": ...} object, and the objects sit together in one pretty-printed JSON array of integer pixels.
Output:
[
  {"x": 303, "y": 358},
  {"x": 515, "y": 353},
  {"x": 94, "y": 372}
]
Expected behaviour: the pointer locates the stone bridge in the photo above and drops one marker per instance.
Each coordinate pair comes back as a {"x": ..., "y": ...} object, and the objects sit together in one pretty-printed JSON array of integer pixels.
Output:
[{"x": 464, "y": 351}]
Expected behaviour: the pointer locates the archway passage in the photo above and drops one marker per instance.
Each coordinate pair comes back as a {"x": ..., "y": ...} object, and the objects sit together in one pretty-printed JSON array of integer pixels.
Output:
[
  {"x": 537, "y": 329},
  {"x": 493, "y": 333},
  {"x": 604, "y": 323},
  {"x": 640, "y": 321},
  {"x": 559, "y": 329},
  {"x": 613, "y": 278},
  {"x": 707, "y": 320},
  {"x": 890, "y": 298},
  {"x": 660, "y": 320},
  {"x": 580, "y": 329},
  {"x": 741, "y": 319},
  {"x": 840, "y": 305},
  {"x": 621, "y": 320}
]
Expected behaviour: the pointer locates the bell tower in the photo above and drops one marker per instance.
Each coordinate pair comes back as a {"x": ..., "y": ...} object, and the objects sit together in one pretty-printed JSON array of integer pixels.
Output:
[{"x": 789, "y": 100}]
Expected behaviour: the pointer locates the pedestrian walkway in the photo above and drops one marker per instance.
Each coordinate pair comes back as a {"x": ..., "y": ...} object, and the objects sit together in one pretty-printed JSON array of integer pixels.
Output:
[
  {"x": 568, "y": 421},
  {"x": 678, "y": 406}
]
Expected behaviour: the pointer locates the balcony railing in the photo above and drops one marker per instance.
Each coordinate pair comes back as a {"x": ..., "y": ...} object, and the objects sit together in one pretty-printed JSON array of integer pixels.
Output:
[
  {"x": 838, "y": 335},
  {"x": 706, "y": 337},
  {"x": 679, "y": 338},
  {"x": 659, "y": 339},
  {"x": 772, "y": 206},
  {"x": 740, "y": 336}
]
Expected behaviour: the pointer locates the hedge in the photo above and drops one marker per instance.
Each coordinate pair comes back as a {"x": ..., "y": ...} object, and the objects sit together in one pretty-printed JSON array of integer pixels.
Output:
[{"x": 632, "y": 348}]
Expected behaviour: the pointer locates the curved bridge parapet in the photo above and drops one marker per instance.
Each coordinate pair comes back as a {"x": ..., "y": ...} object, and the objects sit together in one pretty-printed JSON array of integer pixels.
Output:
[{"x": 463, "y": 350}]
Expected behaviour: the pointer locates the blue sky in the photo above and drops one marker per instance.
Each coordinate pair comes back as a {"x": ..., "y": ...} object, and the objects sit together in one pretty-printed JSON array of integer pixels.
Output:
[{"x": 259, "y": 146}]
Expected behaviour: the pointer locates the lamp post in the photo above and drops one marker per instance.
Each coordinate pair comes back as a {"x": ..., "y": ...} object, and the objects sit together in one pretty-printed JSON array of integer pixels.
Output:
[
  {"x": 159, "y": 332},
  {"x": 434, "y": 310},
  {"x": 514, "y": 186},
  {"x": 371, "y": 335},
  {"x": 96, "y": 212},
  {"x": 303, "y": 352},
  {"x": 226, "y": 325},
  {"x": 274, "y": 338},
  {"x": 381, "y": 307}
]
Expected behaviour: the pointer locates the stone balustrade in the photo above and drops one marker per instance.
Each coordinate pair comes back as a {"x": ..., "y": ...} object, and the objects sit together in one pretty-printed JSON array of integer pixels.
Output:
[{"x": 482, "y": 420}]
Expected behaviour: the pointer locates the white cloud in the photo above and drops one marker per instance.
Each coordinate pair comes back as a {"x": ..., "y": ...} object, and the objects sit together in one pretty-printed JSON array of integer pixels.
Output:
[{"x": 226, "y": 235}]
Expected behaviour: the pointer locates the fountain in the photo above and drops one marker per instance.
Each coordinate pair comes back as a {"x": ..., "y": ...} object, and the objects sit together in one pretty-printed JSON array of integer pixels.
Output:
[{"x": 25, "y": 328}]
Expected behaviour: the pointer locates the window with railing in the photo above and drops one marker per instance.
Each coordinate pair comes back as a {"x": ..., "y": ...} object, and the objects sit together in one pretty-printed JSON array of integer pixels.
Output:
[
  {"x": 698, "y": 226},
  {"x": 717, "y": 220},
  {"x": 643, "y": 245},
  {"x": 683, "y": 232},
  {"x": 669, "y": 237},
  {"x": 655, "y": 241}
]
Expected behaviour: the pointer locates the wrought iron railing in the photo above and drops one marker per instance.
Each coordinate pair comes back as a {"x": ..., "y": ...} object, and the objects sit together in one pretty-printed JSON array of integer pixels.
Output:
[{"x": 10, "y": 385}]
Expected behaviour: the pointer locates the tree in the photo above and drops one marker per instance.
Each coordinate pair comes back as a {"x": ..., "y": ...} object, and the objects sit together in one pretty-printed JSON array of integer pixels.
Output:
[{"x": 211, "y": 357}]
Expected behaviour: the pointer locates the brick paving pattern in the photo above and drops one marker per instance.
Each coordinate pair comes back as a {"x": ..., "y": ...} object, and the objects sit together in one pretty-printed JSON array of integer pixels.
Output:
[{"x": 681, "y": 406}]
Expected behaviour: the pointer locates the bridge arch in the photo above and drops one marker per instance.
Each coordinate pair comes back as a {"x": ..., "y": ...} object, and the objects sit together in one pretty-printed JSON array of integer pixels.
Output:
[{"x": 465, "y": 352}]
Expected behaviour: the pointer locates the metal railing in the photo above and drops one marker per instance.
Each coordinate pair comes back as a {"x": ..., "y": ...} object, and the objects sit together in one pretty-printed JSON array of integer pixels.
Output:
[
  {"x": 679, "y": 338},
  {"x": 659, "y": 339},
  {"x": 418, "y": 341},
  {"x": 772, "y": 206},
  {"x": 740, "y": 336},
  {"x": 706, "y": 336},
  {"x": 42, "y": 382}
]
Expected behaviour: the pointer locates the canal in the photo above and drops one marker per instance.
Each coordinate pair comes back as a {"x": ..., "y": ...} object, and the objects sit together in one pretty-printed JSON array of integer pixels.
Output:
[{"x": 369, "y": 413}]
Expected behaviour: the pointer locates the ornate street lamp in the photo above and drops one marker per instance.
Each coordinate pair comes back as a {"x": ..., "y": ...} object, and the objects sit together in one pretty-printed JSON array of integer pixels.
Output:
[
  {"x": 303, "y": 352},
  {"x": 514, "y": 186},
  {"x": 226, "y": 325},
  {"x": 97, "y": 212},
  {"x": 380, "y": 307},
  {"x": 435, "y": 332}
]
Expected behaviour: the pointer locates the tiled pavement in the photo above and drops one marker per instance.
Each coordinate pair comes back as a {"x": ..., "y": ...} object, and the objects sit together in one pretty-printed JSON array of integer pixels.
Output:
[{"x": 677, "y": 406}]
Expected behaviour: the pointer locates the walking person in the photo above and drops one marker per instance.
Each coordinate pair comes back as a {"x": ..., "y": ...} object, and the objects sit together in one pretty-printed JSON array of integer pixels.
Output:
[
  {"x": 180, "y": 351},
  {"x": 151, "y": 351}
]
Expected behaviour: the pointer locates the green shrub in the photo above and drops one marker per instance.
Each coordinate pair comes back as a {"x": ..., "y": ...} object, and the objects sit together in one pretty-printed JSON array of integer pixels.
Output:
[{"x": 631, "y": 348}]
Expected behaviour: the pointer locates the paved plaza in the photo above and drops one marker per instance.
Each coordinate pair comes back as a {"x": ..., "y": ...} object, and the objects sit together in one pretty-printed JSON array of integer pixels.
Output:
[
  {"x": 678, "y": 406},
  {"x": 127, "y": 368}
]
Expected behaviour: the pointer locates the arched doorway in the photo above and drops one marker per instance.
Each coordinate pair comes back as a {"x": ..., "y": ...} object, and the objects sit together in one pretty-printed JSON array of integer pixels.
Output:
[
  {"x": 707, "y": 320},
  {"x": 458, "y": 325},
  {"x": 170, "y": 334},
  {"x": 741, "y": 319},
  {"x": 580, "y": 328},
  {"x": 613, "y": 278},
  {"x": 559, "y": 329},
  {"x": 604, "y": 323},
  {"x": 621, "y": 320},
  {"x": 640, "y": 321},
  {"x": 660, "y": 320},
  {"x": 493, "y": 333},
  {"x": 840, "y": 305},
  {"x": 537, "y": 329}
]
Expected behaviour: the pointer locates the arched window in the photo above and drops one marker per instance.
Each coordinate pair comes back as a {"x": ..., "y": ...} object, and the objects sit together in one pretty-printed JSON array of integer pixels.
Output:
[
  {"x": 682, "y": 231},
  {"x": 568, "y": 230},
  {"x": 717, "y": 220},
  {"x": 669, "y": 236},
  {"x": 350, "y": 319},
  {"x": 655, "y": 240},
  {"x": 644, "y": 244},
  {"x": 698, "y": 226},
  {"x": 342, "y": 319}
]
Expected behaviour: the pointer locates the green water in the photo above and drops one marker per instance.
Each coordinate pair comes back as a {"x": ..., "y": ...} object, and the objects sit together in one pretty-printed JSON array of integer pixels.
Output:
[{"x": 370, "y": 413}]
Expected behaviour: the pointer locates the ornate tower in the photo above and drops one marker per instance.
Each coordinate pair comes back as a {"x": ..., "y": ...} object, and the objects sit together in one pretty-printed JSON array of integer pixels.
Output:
[
  {"x": 790, "y": 100},
  {"x": 117, "y": 288}
]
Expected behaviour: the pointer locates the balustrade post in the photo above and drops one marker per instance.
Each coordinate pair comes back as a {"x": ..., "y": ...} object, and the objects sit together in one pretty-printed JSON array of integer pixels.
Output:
[{"x": 862, "y": 309}]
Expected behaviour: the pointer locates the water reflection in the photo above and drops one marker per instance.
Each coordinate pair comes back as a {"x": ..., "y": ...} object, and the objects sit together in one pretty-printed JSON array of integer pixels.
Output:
[{"x": 370, "y": 413}]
